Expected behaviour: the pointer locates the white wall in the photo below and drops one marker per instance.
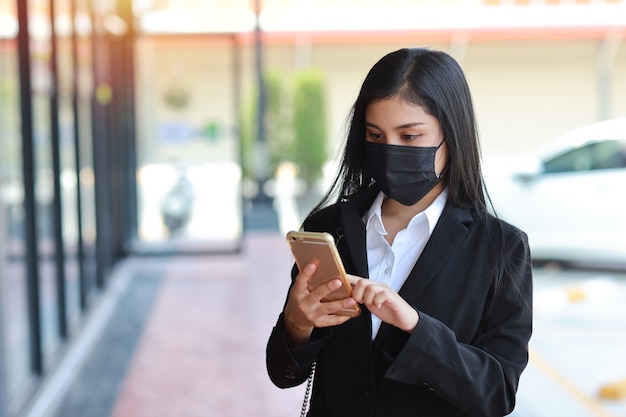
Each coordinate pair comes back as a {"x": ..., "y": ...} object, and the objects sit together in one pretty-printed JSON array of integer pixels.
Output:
[{"x": 525, "y": 92}]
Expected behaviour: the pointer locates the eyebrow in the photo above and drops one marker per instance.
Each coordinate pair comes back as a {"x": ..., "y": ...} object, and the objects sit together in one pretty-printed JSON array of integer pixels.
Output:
[{"x": 404, "y": 126}]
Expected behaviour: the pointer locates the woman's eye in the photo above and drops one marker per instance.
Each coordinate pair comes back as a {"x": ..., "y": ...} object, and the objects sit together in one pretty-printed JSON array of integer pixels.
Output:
[
  {"x": 409, "y": 138},
  {"x": 375, "y": 136}
]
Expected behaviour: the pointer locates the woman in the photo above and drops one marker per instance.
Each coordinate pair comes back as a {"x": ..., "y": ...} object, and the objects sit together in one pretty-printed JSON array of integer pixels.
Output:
[{"x": 445, "y": 288}]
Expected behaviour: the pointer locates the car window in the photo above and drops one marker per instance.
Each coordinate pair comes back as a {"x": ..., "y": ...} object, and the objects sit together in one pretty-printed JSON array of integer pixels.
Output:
[{"x": 606, "y": 154}]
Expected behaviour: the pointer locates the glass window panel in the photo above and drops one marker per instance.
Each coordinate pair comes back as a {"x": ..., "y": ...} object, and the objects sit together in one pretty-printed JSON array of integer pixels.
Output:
[
  {"x": 84, "y": 77},
  {"x": 69, "y": 176},
  {"x": 606, "y": 154},
  {"x": 578, "y": 159},
  {"x": 40, "y": 33},
  {"x": 609, "y": 154},
  {"x": 12, "y": 236},
  {"x": 187, "y": 144}
]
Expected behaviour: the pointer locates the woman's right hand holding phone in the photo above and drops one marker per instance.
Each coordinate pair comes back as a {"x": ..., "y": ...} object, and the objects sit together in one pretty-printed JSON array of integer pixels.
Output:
[{"x": 305, "y": 309}]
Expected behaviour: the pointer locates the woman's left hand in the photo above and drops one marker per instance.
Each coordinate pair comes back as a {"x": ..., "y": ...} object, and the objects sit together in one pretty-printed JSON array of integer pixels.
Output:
[{"x": 384, "y": 303}]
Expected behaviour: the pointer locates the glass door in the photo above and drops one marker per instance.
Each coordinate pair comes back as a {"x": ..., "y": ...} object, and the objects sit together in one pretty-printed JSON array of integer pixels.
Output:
[
  {"x": 13, "y": 273},
  {"x": 83, "y": 135},
  {"x": 189, "y": 176},
  {"x": 40, "y": 30},
  {"x": 66, "y": 153}
]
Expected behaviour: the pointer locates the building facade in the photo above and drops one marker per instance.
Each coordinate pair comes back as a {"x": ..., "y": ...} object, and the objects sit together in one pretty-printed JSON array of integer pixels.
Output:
[{"x": 99, "y": 98}]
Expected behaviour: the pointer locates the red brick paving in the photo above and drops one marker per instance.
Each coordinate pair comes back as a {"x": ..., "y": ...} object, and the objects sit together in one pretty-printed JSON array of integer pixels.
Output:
[{"x": 202, "y": 353}]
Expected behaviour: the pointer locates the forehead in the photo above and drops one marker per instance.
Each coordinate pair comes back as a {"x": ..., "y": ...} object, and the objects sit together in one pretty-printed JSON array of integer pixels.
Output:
[{"x": 396, "y": 110}]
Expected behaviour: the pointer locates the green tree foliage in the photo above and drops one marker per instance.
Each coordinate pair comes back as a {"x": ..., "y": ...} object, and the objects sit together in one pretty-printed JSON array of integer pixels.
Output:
[
  {"x": 277, "y": 125},
  {"x": 247, "y": 135},
  {"x": 309, "y": 120},
  {"x": 278, "y": 115},
  {"x": 295, "y": 124}
]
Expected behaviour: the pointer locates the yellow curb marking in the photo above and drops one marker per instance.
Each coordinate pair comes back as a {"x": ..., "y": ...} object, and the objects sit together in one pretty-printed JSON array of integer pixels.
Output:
[
  {"x": 576, "y": 294},
  {"x": 614, "y": 391},
  {"x": 589, "y": 403}
]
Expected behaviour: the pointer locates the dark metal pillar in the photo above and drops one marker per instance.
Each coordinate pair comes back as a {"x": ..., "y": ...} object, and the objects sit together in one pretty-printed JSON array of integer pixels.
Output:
[
  {"x": 59, "y": 250},
  {"x": 80, "y": 250},
  {"x": 261, "y": 156},
  {"x": 263, "y": 215},
  {"x": 4, "y": 397},
  {"x": 28, "y": 166}
]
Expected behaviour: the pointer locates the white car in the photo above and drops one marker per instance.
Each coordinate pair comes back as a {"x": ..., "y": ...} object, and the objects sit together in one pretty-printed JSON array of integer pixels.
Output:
[{"x": 569, "y": 196}]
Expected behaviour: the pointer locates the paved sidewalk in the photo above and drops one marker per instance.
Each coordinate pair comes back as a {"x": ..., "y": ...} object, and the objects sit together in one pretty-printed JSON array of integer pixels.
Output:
[
  {"x": 200, "y": 348},
  {"x": 186, "y": 338}
]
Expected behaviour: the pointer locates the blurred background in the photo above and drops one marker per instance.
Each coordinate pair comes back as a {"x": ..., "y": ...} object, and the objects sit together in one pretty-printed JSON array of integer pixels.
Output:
[{"x": 150, "y": 146}]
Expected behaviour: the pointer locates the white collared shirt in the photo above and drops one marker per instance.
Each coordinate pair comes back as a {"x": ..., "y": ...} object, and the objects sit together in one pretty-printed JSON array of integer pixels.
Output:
[{"x": 391, "y": 264}]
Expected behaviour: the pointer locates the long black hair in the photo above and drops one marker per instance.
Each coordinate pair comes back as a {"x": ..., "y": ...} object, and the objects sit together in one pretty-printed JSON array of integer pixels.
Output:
[{"x": 434, "y": 81}]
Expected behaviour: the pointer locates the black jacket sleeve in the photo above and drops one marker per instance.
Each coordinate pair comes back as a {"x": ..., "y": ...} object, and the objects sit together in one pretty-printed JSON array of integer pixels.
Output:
[
  {"x": 480, "y": 376},
  {"x": 286, "y": 366}
]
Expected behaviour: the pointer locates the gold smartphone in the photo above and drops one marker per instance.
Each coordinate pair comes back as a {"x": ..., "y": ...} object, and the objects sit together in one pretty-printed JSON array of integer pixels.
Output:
[{"x": 319, "y": 247}]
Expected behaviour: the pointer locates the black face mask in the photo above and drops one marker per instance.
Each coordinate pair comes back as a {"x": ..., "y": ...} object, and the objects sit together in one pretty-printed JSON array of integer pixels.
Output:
[{"x": 404, "y": 173}]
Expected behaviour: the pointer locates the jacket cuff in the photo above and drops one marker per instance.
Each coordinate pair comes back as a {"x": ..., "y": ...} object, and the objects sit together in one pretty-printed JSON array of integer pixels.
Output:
[{"x": 303, "y": 355}]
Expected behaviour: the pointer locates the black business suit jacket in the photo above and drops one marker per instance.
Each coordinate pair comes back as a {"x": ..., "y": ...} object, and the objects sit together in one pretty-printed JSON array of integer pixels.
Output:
[{"x": 470, "y": 345}]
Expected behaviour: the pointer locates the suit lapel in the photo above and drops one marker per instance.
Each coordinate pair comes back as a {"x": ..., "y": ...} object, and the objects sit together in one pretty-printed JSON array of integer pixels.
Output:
[
  {"x": 352, "y": 237},
  {"x": 452, "y": 227}
]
